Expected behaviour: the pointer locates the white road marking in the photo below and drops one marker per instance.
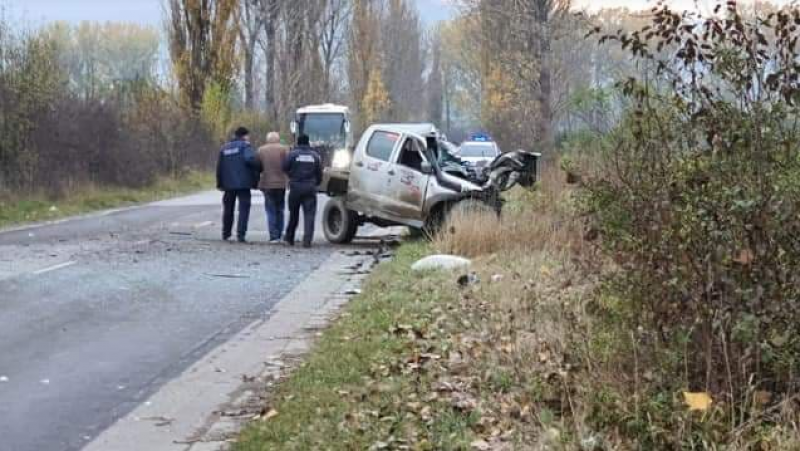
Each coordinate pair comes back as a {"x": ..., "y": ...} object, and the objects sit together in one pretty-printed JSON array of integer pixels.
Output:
[
  {"x": 54, "y": 268},
  {"x": 204, "y": 224}
]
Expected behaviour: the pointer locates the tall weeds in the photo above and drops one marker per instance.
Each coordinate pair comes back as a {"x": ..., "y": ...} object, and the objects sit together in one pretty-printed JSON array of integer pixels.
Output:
[{"x": 539, "y": 220}]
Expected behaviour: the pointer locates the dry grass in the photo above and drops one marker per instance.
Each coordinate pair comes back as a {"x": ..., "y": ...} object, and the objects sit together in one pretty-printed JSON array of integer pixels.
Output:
[
  {"x": 530, "y": 306},
  {"x": 21, "y": 209},
  {"x": 538, "y": 220},
  {"x": 519, "y": 361},
  {"x": 573, "y": 368}
]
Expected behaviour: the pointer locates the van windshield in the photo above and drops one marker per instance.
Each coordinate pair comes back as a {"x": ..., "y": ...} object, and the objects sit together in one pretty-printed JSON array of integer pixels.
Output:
[{"x": 323, "y": 128}]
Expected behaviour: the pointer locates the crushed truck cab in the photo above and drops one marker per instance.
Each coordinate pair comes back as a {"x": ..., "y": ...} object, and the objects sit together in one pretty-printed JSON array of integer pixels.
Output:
[{"x": 394, "y": 179}]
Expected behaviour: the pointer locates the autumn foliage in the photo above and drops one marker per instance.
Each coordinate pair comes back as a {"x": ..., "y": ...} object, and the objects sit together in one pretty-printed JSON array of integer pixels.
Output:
[
  {"x": 82, "y": 107},
  {"x": 695, "y": 198}
]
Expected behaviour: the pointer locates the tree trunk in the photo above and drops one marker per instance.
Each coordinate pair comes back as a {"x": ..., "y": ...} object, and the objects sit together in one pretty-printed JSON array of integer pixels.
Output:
[
  {"x": 270, "y": 54},
  {"x": 544, "y": 121},
  {"x": 544, "y": 127},
  {"x": 249, "y": 88}
]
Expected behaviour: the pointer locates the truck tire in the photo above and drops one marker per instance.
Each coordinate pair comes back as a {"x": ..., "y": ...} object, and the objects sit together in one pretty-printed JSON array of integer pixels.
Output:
[{"x": 339, "y": 224}]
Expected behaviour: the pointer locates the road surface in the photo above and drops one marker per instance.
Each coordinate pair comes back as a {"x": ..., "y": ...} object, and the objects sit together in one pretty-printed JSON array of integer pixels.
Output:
[{"x": 96, "y": 313}]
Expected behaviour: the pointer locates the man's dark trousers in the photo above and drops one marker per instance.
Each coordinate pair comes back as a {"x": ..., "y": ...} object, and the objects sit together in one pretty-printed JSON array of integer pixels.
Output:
[
  {"x": 305, "y": 197},
  {"x": 275, "y": 205},
  {"x": 229, "y": 204}
]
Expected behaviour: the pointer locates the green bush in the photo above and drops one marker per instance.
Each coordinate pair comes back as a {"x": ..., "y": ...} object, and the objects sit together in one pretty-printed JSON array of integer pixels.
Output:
[
  {"x": 56, "y": 136},
  {"x": 698, "y": 202}
]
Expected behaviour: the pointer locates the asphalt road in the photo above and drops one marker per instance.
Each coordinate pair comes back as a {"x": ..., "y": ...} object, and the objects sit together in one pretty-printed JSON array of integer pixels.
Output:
[{"x": 96, "y": 313}]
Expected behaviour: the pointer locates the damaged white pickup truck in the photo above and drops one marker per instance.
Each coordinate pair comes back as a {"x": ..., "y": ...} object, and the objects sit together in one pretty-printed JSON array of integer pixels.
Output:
[{"x": 403, "y": 174}]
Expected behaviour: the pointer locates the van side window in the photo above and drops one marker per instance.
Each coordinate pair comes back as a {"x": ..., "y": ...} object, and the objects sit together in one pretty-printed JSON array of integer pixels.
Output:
[{"x": 381, "y": 145}]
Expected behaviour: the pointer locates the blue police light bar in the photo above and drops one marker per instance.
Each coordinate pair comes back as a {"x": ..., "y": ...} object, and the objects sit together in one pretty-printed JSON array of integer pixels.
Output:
[{"x": 480, "y": 137}]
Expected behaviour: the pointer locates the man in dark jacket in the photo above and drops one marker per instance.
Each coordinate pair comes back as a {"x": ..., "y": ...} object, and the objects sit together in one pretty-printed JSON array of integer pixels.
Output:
[
  {"x": 304, "y": 168},
  {"x": 238, "y": 171}
]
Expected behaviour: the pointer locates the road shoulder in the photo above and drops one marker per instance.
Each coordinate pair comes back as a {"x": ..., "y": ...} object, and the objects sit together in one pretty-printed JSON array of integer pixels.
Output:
[{"x": 193, "y": 411}]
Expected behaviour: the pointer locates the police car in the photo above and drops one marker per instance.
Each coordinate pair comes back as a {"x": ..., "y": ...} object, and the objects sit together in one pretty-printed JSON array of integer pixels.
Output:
[{"x": 479, "y": 151}]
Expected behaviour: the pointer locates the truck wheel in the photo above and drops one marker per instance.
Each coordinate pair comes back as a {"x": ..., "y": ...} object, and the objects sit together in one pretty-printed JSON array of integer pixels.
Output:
[{"x": 339, "y": 224}]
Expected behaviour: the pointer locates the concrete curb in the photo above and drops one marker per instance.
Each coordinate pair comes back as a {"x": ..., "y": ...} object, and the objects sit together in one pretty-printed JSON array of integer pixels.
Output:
[{"x": 206, "y": 406}]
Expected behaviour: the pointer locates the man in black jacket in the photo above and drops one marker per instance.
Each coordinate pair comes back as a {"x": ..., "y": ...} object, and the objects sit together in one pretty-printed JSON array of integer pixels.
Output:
[
  {"x": 238, "y": 171},
  {"x": 304, "y": 168}
]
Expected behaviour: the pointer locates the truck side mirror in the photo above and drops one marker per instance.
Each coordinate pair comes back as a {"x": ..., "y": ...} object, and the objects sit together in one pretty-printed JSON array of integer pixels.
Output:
[
  {"x": 426, "y": 168},
  {"x": 293, "y": 127},
  {"x": 347, "y": 126}
]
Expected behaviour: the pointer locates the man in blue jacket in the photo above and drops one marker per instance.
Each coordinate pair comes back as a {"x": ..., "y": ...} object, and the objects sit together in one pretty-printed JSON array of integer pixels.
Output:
[
  {"x": 238, "y": 171},
  {"x": 304, "y": 168}
]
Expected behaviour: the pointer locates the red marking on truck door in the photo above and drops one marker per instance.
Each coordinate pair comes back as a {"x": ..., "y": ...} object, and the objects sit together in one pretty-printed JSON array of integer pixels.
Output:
[{"x": 408, "y": 178}]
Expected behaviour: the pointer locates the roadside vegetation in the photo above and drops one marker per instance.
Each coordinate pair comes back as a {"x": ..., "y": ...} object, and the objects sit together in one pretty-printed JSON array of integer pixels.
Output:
[
  {"x": 648, "y": 304},
  {"x": 86, "y": 121},
  {"x": 86, "y": 199}
]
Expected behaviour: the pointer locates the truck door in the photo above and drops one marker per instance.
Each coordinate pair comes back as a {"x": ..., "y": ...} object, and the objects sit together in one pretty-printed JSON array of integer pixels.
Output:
[
  {"x": 408, "y": 184},
  {"x": 371, "y": 174}
]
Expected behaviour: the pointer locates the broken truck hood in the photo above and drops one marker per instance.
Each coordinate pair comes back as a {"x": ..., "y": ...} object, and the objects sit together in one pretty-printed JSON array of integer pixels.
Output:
[
  {"x": 506, "y": 171},
  {"x": 457, "y": 184}
]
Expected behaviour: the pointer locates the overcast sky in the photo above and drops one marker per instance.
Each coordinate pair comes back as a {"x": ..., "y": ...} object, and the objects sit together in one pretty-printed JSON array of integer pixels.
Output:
[
  {"x": 141, "y": 11},
  {"x": 150, "y": 11}
]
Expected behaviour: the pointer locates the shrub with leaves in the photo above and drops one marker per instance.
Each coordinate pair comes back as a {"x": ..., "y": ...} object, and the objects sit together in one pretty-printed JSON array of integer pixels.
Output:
[
  {"x": 56, "y": 137},
  {"x": 698, "y": 201}
]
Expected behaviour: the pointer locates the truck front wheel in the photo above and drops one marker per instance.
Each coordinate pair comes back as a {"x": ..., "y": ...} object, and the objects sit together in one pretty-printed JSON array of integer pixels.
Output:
[{"x": 339, "y": 224}]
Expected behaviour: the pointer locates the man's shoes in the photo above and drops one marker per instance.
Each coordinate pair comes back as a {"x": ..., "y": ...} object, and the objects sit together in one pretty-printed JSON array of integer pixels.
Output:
[
  {"x": 275, "y": 241},
  {"x": 242, "y": 240},
  {"x": 307, "y": 245},
  {"x": 289, "y": 242},
  {"x": 226, "y": 237}
]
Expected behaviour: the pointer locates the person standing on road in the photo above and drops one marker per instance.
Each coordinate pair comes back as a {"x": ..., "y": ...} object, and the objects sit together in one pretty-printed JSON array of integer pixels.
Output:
[
  {"x": 238, "y": 171},
  {"x": 304, "y": 168},
  {"x": 273, "y": 184}
]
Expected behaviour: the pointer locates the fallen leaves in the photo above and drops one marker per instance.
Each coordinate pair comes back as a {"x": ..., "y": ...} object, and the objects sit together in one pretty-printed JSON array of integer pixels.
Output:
[
  {"x": 762, "y": 398},
  {"x": 463, "y": 402},
  {"x": 444, "y": 371},
  {"x": 697, "y": 401},
  {"x": 745, "y": 257}
]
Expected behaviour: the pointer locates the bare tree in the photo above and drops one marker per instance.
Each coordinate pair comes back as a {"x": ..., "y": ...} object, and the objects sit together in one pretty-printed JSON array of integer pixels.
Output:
[
  {"x": 333, "y": 33},
  {"x": 435, "y": 82},
  {"x": 402, "y": 47},
  {"x": 270, "y": 11},
  {"x": 517, "y": 53},
  {"x": 363, "y": 51},
  {"x": 251, "y": 23},
  {"x": 301, "y": 75},
  {"x": 545, "y": 15},
  {"x": 202, "y": 38}
]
